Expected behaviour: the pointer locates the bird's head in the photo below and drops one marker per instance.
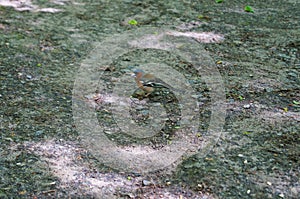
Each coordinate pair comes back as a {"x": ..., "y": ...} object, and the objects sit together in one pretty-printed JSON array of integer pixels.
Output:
[{"x": 138, "y": 73}]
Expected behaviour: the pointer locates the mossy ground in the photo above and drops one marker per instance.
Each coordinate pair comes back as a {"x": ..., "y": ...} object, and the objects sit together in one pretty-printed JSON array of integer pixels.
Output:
[{"x": 257, "y": 155}]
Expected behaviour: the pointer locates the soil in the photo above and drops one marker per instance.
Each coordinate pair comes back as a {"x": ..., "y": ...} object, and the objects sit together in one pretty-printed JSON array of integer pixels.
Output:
[{"x": 257, "y": 54}]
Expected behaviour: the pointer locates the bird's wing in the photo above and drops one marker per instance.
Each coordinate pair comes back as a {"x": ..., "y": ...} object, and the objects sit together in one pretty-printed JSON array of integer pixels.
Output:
[{"x": 156, "y": 82}]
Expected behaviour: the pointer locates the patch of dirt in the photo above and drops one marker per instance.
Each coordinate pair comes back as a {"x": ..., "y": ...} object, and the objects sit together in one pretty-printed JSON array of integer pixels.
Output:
[
  {"x": 78, "y": 178},
  {"x": 27, "y": 5},
  {"x": 202, "y": 37}
]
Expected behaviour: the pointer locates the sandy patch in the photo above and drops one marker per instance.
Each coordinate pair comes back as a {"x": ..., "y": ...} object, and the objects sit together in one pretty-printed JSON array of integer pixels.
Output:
[
  {"x": 279, "y": 115},
  {"x": 78, "y": 178},
  {"x": 27, "y": 5},
  {"x": 202, "y": 37},
  {"x": 274, "y": 115}
]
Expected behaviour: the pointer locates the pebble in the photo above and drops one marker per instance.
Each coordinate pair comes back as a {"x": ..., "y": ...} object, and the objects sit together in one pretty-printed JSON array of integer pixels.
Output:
[
  {"x": 247, "y": 106},
  {"x": 146, "y": 183},
  {"x": 295, "y": 190}
]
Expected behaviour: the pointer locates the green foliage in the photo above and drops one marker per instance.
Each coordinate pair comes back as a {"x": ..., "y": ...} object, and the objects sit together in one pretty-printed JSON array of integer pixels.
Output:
[
  {"x": 241, "y": 97},
  {"x": 296, "y": 102},
  {"x": 248, "y": 9},
  {"x": 246, "y": 133},
  {"x": 219, "y": 1},
  {"x": 132, "y": 22},
  {"x": 203, "y": 17}
]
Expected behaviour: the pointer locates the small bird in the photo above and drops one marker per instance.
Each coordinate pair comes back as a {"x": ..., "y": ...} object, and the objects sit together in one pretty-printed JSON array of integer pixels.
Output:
[{"x": 148, "y": 82}]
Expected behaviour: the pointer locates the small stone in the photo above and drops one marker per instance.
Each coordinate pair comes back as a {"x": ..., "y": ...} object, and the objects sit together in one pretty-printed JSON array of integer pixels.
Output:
[
  {"x": 231, "y": 100},
  {"x": 108, "y": 132},
  {"x": 146, "y": 182},
  {"x": 269, "y": 183},
  {"x": 295, "y": 190},
  {"x": 247, "y": 106},
  {"x": 281, "y": 195},
  {"x": 114, "y": 79},
  {"x": 39, "y": 132}
]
